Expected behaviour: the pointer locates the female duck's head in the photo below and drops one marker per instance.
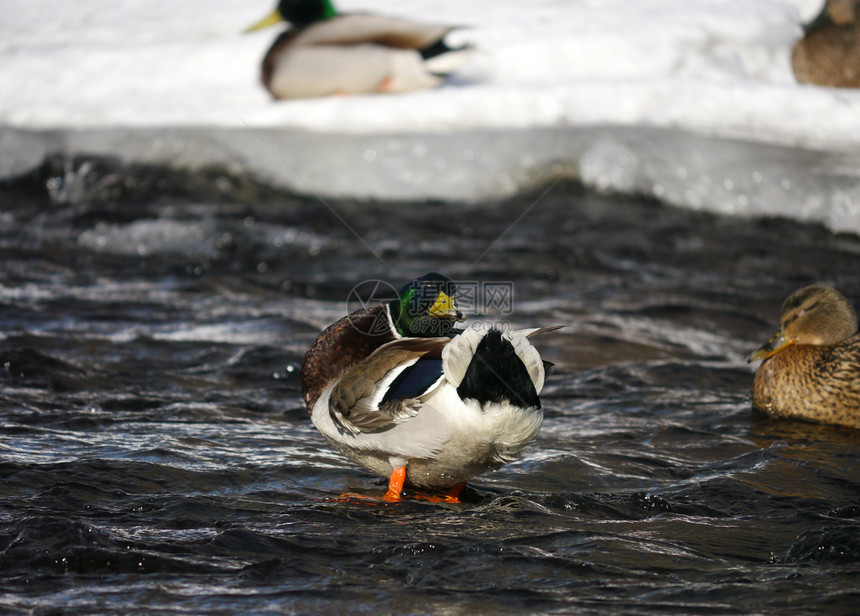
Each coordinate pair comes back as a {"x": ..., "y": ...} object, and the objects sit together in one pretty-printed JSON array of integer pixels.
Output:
[
  {"x": 816, "y": 315},
  {"x": 426, "y": 307},
  {"x": 835, "y": 13}
]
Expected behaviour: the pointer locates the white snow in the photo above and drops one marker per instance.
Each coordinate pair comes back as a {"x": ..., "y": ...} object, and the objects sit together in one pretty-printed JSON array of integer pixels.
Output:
[{"x": 692, "y": 101}]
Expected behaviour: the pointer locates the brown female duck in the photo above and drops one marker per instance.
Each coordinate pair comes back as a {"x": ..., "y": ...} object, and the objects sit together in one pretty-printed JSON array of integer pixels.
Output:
[
  {"x": 829, "y": 52},
  {"x": 811, "y": 367}
]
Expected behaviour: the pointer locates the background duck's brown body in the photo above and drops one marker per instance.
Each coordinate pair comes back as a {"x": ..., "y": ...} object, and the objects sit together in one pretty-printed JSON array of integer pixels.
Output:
[
  {"x": 829, "y": 53},
  {"x": 816, "y": 383}
]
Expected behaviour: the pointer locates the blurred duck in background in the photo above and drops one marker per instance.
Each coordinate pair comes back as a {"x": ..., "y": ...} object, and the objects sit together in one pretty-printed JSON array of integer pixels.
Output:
[
  {"x": 829, "y": 52},
  {"x": 325, "y": 52}
]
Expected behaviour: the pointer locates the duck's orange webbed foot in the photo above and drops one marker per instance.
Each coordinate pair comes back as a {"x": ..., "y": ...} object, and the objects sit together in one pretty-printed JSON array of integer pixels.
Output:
[
  {"x": 451, "y": 495},
  {"x": 351, "y": 498},
  {"x": 394, "y": 494},
  {"x": 395, "y": 484},
  {"x": 385, "y": 84}
]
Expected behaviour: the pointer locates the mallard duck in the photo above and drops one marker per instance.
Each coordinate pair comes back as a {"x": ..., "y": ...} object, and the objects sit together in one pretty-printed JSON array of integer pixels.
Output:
[
  {"x": 811, "y": 366},
  {"x": 829, "y": 52},
  {"x": 329, "y": 53},
  {"x": 397, "y": 389}
]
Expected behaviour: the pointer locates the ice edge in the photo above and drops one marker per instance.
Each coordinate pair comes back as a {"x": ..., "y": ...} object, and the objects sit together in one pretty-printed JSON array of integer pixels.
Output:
[{"x": 719, "y": 174}]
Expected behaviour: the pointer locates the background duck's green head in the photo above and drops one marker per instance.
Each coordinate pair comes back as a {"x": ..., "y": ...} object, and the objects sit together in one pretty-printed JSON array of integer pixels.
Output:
[
  {"x": 297, "y": 12},
  {"x": 426, "y": 307}
]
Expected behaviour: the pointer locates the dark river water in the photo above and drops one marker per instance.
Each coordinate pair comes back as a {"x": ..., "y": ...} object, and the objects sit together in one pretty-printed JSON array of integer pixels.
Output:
[{"x": 155, "y": 457}]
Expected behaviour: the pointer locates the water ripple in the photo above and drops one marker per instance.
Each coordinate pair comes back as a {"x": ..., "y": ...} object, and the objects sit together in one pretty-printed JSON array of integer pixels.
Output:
[{"x": 156, "y": 457}]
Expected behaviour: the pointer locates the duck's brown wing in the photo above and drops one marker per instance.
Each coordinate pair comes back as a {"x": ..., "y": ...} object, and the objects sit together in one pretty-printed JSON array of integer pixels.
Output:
[
  {"x": 383, "y": 390},
  {"x": 842, "y": 377}
]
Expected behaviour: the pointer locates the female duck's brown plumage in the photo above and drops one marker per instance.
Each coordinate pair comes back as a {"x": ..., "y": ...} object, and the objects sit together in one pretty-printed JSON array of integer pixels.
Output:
[
  {"x": 829, "y": 52},
  {"x": 811, "y": 366}
]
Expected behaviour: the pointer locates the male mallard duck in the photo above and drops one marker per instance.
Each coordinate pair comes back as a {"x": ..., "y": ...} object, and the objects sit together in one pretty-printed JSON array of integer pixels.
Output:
[
  {"x": 329, "y": 53},
  {"x": 812, "y": 364},
  {"x": 829, "y": 52},
  {"x": 396, "y": 389}
]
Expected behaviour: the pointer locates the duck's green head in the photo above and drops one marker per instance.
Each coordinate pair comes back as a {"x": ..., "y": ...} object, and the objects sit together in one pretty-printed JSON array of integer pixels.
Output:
[
  {"x": 297, "y": 12},
  {"x": 426, "y": 307}
]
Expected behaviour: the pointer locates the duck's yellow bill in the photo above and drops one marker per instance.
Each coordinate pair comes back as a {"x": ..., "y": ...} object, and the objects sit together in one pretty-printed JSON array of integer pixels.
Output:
[
  {"x": 445, "y": 308},
  {"x": 773, "y": 346},
  {"x": 271, "y": 20}
]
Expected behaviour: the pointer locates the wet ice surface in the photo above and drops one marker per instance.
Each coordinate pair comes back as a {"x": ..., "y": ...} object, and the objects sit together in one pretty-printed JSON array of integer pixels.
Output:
[{"x": 155, "y": 456}]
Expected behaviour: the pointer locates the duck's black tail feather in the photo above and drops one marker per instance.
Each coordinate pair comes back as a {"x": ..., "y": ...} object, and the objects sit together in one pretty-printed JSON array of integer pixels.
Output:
[
  {"x": 441, "y": 59},
  {"x": 440, "y": 47}
]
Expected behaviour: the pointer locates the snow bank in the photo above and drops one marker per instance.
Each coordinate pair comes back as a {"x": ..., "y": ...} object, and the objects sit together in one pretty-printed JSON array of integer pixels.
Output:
[{"x": 691, "y": 101}]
